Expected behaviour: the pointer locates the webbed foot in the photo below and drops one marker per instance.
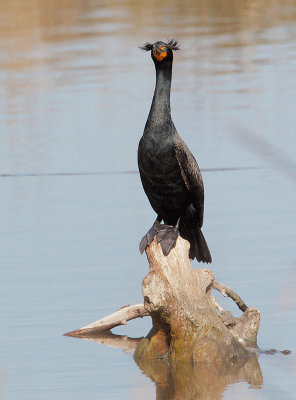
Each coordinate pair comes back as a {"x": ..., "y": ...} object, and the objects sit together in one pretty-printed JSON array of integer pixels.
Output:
[
  {"x": 167, "y": 237},
  {"x": 148, "y": 238}
]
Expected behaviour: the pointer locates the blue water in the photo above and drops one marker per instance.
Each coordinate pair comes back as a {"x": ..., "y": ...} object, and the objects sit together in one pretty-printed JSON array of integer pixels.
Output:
[{"x": 74, "y": 97}]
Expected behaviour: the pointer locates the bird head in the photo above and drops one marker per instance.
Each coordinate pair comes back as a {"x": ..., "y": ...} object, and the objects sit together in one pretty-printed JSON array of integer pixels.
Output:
[{"x": 161, "y": 52}]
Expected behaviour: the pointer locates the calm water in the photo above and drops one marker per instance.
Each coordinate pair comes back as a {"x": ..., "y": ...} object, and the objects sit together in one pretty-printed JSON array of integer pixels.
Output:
[{"x": 74, "y": 96}]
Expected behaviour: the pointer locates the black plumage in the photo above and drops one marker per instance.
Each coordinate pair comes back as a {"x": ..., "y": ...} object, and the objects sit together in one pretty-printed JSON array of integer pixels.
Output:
[{"x": 170, "y": 175}]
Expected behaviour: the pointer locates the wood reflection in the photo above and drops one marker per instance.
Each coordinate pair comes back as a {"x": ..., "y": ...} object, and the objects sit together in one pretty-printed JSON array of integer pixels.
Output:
[
  {"x": 113, "y": 340},
  {"x": 187, "y": 381}
]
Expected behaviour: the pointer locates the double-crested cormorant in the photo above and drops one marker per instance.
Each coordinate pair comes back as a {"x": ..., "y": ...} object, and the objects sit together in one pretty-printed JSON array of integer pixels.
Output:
[{"x": 170, "y": 175}]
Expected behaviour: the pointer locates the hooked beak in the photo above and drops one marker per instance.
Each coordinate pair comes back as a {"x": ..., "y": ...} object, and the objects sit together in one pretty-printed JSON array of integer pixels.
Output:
[{"x": 158, "y": 53}]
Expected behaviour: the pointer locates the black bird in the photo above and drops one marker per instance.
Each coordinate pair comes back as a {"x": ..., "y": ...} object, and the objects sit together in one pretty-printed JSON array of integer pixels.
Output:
[{"x": 170, "y": 175}]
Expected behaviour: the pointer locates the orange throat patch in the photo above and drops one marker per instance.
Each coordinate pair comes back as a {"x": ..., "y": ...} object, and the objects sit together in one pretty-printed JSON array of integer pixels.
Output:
[{"x": 160, "y": 56}]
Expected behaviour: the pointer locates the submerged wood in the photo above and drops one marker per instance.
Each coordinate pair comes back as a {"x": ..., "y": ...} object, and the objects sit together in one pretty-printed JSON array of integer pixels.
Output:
[{"x": 186, "y": 324}]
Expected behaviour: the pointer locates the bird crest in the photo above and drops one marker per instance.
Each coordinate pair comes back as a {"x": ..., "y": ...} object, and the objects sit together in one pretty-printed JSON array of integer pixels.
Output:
[{"x": 172, "y": 44}]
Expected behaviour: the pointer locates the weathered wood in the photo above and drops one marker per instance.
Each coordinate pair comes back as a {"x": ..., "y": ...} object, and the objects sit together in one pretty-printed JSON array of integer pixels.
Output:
[
  {"x": 186, "y": 325},
  {"x": 120, "y": 317},
  {"x": 226, "y": 291}
]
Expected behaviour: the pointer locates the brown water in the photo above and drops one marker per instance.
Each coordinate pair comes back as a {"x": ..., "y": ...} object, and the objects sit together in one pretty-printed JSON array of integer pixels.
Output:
[{"x": 74, "y": 97}]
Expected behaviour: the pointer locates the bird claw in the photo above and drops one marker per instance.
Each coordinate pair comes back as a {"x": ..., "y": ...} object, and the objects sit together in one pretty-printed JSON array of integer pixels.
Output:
[
  {"x": 148, "y": 238},
  {"x": 163, "y": 231},
  {"x": 167, "y": 237}
]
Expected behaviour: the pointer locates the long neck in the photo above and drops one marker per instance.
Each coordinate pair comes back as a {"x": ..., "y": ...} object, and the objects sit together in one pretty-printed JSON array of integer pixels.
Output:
[{"x": 160, "y": 111}]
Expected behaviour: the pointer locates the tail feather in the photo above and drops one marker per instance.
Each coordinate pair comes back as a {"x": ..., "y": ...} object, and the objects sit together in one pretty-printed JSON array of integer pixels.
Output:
[{"x": 198, "y": 245}]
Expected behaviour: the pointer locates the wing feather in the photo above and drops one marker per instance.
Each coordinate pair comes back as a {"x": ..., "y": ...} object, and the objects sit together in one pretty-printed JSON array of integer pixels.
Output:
[{"x": 191, "y": 175}]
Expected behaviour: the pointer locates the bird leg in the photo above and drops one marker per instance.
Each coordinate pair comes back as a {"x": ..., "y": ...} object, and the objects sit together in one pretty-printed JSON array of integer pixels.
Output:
[
  {"x": 167, "y": 236},
  {"x": 148, "y": 238}
]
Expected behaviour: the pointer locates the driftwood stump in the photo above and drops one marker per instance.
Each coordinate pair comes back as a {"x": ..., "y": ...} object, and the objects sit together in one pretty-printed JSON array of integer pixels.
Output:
[
  {"x": 186, "y": 325},
  {"x": 195, "y": 348}
]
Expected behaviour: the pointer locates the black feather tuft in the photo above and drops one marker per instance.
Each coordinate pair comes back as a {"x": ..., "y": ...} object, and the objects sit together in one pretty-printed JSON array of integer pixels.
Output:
[
  {"x": 173, "y": 44},
  {"x": 146, "y": 47}
]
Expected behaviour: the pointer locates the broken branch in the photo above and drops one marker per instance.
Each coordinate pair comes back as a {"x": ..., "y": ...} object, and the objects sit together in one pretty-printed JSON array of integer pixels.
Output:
[
  {"x": 226, "y": 291},
  {"x": 120, "y": 317}
]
